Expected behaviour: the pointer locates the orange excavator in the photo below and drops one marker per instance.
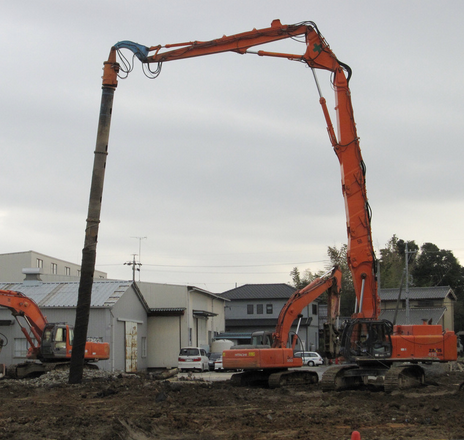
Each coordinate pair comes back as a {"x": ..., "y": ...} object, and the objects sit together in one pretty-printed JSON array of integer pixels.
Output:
[
  {"x": 370, "y": 347},
  {"x": 269, "y": 359},
  {"x": 49, "y": 343}
]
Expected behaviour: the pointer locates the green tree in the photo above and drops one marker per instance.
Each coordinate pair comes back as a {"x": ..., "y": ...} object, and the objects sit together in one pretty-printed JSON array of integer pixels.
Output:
[
  {"x": 392, "y": 261},
  {"x": 428, "y": 266},
  {"x": 439, "y": 267},
  {"x": 348, "y": 297},
  {"x": 299, "y": 281}
]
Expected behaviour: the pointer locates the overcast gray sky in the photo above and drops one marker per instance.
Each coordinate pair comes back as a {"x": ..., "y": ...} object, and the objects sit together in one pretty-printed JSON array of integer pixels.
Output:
[{"x": 223, "y": 163}]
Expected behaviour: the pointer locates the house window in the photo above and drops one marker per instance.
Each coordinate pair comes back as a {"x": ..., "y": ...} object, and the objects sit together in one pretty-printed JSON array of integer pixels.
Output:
[
  {"x": 54, "y": 268},
  {"x": 40, "y": 263},
  {"x": 269, "y": 309},
  {"x": 67, "y": 271},
  {"x": 144, "y": 346},
  {"x": 250, "y": 309},
  {"x": 314, "y": 307},
  {"x": 259, "y": 309}
]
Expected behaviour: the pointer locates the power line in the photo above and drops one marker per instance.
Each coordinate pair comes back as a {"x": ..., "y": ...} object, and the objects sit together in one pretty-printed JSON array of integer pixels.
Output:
[{"x": 228, "y": 266}]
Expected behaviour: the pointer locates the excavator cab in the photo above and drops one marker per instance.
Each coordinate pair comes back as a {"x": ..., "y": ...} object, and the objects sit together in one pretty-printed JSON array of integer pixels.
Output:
[
  {"x": 261, "y": 339},
  {"x": 57, "y": 341},
  {"x": 364, "y": 339}
]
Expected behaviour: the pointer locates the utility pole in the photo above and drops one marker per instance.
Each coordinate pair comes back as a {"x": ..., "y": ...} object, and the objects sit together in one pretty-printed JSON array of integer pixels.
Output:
[
  {"x": 133, "y": 263},
  {"x": 140, "y": 250},
  {"x": 407, "y": 253},
  {"x": 407, "y": 284}
]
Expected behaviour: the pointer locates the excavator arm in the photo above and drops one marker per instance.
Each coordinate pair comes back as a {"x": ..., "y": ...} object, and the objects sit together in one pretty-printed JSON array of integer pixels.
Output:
[
  {"x": 22, "y": 306},
  {"x": 331, "y": 282}
]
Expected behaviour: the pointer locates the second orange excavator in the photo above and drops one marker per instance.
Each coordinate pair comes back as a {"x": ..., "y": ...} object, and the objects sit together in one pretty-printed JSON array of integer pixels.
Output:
[
  {"x": 269, "y": 359},
  {"x": 49, "y": 343}
]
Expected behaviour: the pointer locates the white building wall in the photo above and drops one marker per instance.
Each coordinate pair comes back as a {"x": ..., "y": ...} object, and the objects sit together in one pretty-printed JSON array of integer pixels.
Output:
[
  {"x": 128, "y": 309},
  {"x": 217, "y": 323},
  {"x": 164, "y": 334},
  {"x": 167, "y": 334},
  {"x": 12, "y": 264},
  {"x": 163, "y": 295}
]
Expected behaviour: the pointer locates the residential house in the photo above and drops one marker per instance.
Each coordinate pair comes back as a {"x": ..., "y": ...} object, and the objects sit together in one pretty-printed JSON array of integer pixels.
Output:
[
  {"x": 255, "y": 307},
  {"x": 429, "y": 304},
  {"x": 426, "y": 304}
]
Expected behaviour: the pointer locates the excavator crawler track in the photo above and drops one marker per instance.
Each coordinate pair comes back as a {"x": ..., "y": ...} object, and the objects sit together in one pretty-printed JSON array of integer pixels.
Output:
[
  {"x": 275, "y": 379},
  {"x": 401, "y": 377},
  {"x": 28, "y": 370},
  {"x": 292, "y": 378},
  {"x": 336, "y": 378}
]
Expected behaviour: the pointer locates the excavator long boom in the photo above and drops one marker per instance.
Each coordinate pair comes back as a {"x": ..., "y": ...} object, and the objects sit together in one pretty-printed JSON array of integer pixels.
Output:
[
  {"x": 318, "y": 55},
  {"x": 371, "y": 344}
]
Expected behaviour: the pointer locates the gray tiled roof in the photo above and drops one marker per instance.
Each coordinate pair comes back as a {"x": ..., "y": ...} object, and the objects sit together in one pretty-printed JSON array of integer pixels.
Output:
[
  {"x": 260, "y": 291},
  {"x": 104, "y": 293},
  {"x": 416, "y": 315},
  {"x": 417, "y": 293}
]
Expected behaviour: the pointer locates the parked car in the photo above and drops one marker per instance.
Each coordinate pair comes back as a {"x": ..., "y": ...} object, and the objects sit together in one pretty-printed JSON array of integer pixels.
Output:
[
  {"x": 192, "y": 358},
  {"x": 310, "y": 358},
  {"x": 218, "y": 363},
  {"x": 213, "y": 357}
]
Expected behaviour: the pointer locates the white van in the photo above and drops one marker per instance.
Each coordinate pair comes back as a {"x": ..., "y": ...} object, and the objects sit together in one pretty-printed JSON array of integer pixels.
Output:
[
  {"x": 192, "y": 358},
  {"x": 310, "y": 358}
]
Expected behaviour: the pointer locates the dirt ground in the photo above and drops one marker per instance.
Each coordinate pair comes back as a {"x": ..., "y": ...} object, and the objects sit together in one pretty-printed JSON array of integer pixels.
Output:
[{"x": 107, "y": 407}]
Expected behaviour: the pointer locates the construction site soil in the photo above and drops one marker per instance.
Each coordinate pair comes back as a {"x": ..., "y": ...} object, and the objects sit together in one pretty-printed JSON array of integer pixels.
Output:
[{"x": 138, "y": 407}]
